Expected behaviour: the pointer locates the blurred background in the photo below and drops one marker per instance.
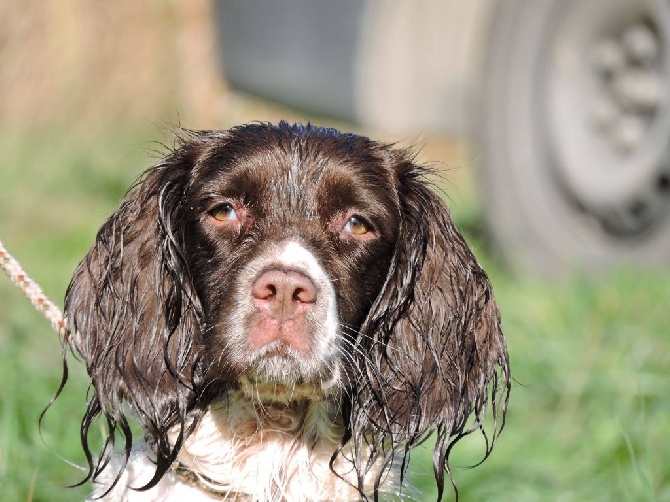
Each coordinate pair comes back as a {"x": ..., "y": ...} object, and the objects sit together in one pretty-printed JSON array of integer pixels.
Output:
[{"x": 549, "y": 120}]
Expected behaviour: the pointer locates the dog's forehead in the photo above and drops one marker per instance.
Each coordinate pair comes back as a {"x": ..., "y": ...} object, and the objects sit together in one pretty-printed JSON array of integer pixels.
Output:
[{"x": 317, "y": 173}]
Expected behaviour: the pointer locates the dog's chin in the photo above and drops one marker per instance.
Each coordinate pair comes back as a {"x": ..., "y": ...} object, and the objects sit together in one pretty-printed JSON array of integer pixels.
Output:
[{"x": 280, "y": 377}]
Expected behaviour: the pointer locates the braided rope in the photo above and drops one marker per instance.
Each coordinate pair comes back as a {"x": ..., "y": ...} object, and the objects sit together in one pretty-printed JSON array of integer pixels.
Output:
[{"x": 32, "y": 291}]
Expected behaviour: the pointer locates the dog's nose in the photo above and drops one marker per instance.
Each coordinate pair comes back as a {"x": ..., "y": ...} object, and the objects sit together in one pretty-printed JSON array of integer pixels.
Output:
[{"x": 283, "y": 294}]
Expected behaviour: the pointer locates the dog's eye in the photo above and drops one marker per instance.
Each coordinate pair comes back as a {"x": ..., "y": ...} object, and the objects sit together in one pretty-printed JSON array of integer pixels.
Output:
[
  {"x": 356, "y": 226},
  {"x": 224, "y": 213}
]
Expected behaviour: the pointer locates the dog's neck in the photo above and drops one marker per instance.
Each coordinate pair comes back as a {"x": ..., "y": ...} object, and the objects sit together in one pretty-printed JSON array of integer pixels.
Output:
[
  {"x": 268, "y": 450},
  {"x": 243, "y": 449}
]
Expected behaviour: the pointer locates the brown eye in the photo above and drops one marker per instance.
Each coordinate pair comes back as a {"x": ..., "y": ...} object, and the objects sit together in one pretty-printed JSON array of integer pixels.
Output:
[
  {"x": 224, "y": 213},
  {"x": 357, "y": 226}
]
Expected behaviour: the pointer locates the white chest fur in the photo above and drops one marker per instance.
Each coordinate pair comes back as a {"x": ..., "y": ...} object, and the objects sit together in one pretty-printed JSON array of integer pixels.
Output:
[{"x": 245, "y": 450}]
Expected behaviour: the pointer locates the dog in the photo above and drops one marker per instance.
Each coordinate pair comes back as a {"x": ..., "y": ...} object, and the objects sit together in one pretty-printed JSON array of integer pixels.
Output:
[{"x": 286, "y": 311}]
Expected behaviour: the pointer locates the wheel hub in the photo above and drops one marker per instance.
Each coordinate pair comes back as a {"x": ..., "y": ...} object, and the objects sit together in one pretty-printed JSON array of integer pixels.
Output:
[{"x": 609, "y": 111}]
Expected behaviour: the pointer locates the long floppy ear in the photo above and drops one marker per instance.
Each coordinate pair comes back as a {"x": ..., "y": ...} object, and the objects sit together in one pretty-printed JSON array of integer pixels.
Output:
[
  {"x": 133, "y": 316},
  {"x": 435, "y": 350}
]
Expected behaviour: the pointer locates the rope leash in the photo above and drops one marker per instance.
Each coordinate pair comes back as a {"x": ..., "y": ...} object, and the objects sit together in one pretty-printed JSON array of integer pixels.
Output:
[{"x": 32, "y": 291}]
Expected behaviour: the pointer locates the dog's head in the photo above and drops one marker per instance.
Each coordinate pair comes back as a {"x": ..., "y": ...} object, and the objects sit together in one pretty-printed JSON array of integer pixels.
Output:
[{"x": 288, "y": 261}]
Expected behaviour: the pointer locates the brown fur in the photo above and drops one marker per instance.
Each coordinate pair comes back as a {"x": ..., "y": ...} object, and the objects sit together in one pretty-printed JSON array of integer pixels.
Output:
[{"x": 154, "y": 308}]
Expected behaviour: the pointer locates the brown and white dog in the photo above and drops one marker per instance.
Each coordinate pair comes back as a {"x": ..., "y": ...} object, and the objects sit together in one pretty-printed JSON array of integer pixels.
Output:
[{"x": 286, "y": 310}]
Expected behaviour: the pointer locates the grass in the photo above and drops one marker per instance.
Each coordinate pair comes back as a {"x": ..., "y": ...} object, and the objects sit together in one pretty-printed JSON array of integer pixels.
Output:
[
  {"x": 588, "y": 418},
  {"x": 589, "y": 415}
]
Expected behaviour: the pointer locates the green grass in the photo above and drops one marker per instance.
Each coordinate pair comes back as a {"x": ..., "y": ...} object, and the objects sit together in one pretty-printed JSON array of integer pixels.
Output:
[
  {"x": 589, "y": 412},
  {"x": 589, "y": 415},
  {"x": 55, "y": 191}
]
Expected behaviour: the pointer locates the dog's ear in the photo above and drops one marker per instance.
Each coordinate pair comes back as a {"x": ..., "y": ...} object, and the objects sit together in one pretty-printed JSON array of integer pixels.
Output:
[
  {"x": 133, "y": 315},
  {"x": 435, "y": 352}
]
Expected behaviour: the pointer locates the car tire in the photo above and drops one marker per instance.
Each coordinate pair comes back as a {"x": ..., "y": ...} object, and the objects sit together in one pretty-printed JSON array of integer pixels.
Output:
[{"x": 573, "y": 132}]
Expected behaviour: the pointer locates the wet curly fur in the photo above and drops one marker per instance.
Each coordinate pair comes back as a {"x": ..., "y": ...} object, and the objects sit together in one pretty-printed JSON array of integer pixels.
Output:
[{"x": 415, "y": 347}]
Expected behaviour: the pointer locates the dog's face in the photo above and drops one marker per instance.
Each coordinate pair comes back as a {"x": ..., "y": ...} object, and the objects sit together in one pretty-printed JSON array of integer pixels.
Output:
[
  {"x": 290, "y": 262},
  {"x": 287, "y": 255}
]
